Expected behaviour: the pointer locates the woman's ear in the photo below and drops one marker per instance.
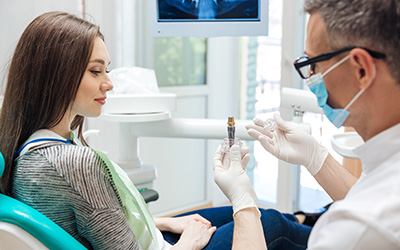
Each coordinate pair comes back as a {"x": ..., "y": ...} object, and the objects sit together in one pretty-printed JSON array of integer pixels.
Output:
[{"x": 365, "y": 69}]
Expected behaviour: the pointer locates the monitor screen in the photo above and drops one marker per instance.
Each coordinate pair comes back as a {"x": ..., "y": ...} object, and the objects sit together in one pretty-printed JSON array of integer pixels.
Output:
[{"x": 208, "y": 18}]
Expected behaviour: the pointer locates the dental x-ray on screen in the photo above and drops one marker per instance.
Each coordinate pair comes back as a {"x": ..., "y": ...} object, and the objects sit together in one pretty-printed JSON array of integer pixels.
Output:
[
  {"x": 208, "y": 18},
  {"x": 187, "y": 10}
]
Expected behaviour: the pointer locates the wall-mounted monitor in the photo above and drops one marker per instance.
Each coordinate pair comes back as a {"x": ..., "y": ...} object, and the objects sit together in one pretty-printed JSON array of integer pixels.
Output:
[{"x": 208, "y": 18}]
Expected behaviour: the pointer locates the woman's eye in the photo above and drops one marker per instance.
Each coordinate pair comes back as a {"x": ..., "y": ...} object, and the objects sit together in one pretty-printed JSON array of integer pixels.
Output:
[{"x": 95, "y": 72}]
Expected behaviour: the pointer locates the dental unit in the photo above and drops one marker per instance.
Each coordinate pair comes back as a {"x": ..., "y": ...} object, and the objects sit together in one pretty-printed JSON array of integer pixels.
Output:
[{"x": 149, "y": 115}]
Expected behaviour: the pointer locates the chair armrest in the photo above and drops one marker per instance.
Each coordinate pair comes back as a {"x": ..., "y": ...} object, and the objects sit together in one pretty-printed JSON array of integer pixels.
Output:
[{"x": 149, "y": 195}]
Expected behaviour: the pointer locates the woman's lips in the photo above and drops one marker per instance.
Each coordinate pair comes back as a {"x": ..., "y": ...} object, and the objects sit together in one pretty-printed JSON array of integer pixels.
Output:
[{"x": 102, "y": 101}]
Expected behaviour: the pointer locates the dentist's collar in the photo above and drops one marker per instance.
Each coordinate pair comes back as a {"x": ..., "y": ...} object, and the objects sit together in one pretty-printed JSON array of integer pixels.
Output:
[{"x": 379, "y": 148}]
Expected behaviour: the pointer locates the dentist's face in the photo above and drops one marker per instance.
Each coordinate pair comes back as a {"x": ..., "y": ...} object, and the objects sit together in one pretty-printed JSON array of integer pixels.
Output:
[
  {"x": 336, "y": 82},
  {"x": 91, "y": 95}
]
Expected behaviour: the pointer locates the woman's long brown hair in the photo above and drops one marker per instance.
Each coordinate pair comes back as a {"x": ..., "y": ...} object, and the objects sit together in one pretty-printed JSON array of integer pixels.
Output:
[{"x": 44, "y": 76}]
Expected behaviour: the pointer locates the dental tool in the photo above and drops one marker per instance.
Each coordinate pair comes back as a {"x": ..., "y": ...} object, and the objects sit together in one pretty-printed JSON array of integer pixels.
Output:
[{"x": 231, "y": 130}]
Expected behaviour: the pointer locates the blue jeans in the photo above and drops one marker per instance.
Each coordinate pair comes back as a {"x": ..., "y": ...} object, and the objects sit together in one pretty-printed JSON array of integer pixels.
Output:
[{"x": 281, "y": 231}]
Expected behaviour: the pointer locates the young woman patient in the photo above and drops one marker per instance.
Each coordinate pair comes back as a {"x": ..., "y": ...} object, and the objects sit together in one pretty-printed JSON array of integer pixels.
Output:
[{"x": 57, "y": 76}]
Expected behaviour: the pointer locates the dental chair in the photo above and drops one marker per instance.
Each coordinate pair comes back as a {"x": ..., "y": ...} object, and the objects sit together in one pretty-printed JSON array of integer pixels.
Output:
[{"x": 22, "y": 227}]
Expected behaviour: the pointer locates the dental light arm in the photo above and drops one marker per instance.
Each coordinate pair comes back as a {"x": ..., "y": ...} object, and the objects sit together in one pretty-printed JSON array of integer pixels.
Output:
[
  {"x": 131, "y": 127},
  {"x": 160, "y": 124},
  {"x": 188, "y": 128},
  {"x": 299, "y": 101}
]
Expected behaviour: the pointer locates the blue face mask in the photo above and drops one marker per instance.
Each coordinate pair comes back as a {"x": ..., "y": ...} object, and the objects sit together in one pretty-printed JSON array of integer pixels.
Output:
[{"x": 317, "y": 86}]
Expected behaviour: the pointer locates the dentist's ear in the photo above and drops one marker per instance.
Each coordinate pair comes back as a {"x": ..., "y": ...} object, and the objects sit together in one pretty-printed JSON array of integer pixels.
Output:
[{"x": 366, "y": 69}]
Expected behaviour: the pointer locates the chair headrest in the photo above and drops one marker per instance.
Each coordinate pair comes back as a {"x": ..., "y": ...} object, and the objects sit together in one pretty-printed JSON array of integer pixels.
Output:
[{"x": 2, "y": 164}]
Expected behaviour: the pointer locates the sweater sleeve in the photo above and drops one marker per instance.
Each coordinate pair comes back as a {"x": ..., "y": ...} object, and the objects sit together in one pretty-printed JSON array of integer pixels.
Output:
[{"x": 107, "y": 229}]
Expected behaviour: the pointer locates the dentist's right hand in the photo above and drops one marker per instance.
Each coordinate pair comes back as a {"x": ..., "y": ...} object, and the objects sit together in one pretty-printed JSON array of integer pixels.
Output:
[
  {"x": 231, "y": 177},
  {"x": 289, "y": 143}
]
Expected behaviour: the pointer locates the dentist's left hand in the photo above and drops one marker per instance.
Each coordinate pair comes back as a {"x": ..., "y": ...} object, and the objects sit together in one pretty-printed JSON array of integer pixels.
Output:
[{"x": 231, "y": 177}]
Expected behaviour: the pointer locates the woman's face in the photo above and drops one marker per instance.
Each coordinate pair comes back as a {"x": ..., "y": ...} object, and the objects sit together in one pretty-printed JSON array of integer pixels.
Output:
[{"x": 95, "y": 83}]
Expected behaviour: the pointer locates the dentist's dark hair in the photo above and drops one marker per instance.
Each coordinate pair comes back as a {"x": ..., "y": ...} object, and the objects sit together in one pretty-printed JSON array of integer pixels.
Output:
[{"x": 44, "y": 76}]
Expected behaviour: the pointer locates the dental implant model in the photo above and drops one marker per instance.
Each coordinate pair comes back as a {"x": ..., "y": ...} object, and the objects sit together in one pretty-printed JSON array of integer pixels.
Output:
[
  {"x": 231, "y": 139},
  {"x": 231, "y": 131},
  {"x": 270, "y": 125}
]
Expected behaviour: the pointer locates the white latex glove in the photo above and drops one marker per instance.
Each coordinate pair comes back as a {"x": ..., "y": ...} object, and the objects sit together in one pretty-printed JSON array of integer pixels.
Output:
[
  {"x": 289, "y": 143},
  {"x": 231, "y": 177}
]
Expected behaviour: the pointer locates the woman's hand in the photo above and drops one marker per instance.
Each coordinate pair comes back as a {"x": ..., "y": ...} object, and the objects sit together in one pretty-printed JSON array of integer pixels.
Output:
[
  {"x": 179, "y": 224},
  {"x": 195, "y": 236}
]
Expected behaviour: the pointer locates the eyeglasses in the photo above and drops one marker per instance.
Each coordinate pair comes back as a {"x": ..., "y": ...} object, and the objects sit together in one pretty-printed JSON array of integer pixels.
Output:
[{"x": 305, "y": 66}]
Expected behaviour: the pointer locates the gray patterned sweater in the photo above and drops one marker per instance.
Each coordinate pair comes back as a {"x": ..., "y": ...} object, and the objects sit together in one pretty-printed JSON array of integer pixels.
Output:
[{"x": 71, "y": 186}]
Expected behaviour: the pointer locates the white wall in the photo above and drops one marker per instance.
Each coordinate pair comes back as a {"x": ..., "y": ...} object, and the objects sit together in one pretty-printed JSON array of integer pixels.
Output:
[{"x": 15, "y": 15}]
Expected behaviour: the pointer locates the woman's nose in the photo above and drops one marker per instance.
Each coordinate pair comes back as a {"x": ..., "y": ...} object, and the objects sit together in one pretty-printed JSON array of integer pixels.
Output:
[{"x": 107, "y": 85}]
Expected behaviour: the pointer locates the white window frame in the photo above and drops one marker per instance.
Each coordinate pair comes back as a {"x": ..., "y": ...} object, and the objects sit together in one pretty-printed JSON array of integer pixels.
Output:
[{"x": 293, "y": 36}]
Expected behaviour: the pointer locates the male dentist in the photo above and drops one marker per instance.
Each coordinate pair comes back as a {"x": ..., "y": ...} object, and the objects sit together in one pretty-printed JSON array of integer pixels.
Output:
[{"x": 352, "y": 65}]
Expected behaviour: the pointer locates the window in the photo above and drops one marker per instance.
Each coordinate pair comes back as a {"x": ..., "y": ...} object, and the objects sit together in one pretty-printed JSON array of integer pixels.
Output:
[
  {"x": 180, "y": 60},
  {"x": 177, "y": 61},
  {"x": 308, "y": 194},
  {"x": 268, "y": 100},
  {"x": 311, "y": 195}
]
